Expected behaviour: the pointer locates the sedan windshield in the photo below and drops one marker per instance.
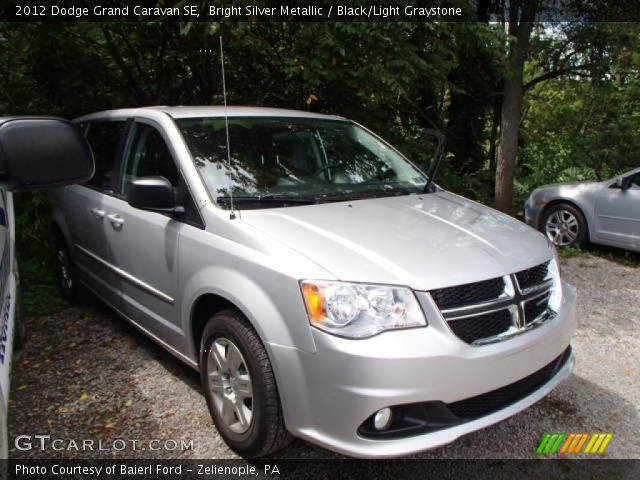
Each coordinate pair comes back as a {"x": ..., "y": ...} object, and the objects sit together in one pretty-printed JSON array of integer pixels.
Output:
[{"x": 278, "y": 161}]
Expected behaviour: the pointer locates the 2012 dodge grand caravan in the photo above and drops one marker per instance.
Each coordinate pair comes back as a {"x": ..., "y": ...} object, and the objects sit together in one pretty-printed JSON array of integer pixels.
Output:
[{"x": 298, "y": 261}]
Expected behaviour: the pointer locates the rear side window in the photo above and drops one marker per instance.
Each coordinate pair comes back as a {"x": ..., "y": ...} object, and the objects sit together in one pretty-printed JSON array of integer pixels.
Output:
[
  {"x": 149, "y": 156},
  {"x": 104, "y": 139}
]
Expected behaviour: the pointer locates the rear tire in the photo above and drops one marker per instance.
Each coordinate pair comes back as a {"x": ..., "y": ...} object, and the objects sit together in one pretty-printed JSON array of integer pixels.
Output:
[
  {"x": 240, "y": 387},
  {"x": 565, "y": 225},
  {"x": 67, "y": 279}
]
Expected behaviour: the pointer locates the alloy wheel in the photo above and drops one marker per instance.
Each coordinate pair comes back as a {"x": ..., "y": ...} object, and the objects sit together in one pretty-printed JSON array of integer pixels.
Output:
[
  {"x": 562, "y": 228},
  {"x": 230, "y": 384}
]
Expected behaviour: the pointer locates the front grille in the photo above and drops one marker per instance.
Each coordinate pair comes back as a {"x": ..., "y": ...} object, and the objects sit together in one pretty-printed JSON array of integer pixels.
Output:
[
  {"x": 495, "y": 400},
  {"x": 533, "y": 276},
  {"x": 468, "y": 294},
  {"x": 479, "y": 312},
  {"x": 481, "y": 326},
  {"x": 533, "y": 309}
]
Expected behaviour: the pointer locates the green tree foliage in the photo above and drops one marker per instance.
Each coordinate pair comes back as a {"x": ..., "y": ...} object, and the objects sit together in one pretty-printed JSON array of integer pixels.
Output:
[
  {"x": 581, "y": 88},
  {"x": 583, "y": 123}
]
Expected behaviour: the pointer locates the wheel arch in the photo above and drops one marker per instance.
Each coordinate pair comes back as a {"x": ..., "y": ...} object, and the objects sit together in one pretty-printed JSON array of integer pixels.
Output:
[
  {"x": 204, "y": 307},
  {"x": 233, "y": 289}
]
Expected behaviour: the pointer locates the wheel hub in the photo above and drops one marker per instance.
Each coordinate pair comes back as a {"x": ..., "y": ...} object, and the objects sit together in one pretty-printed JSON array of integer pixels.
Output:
[
  {"x": 230, "y": 385},
  {"x": 562, "y": 227}
]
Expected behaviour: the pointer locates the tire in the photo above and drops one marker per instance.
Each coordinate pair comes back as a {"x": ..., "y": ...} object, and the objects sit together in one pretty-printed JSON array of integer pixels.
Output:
[
  {"x": 241, "y": 391},
  {"x": 66, "y": 277},
  {"x": 564, "y": 225}
]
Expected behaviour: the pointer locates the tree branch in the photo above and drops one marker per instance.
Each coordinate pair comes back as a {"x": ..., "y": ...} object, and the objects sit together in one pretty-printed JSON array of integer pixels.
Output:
[
  {"x": 555, "y": 74},
  {"x": 140, "y": 94}
]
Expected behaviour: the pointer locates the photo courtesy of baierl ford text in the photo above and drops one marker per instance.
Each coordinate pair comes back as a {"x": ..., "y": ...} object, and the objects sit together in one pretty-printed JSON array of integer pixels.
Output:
[{"x": 275, "y": 239}]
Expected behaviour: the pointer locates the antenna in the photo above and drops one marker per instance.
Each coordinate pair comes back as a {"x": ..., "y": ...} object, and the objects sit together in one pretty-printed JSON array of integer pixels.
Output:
[{"x": 232, "y": 215}]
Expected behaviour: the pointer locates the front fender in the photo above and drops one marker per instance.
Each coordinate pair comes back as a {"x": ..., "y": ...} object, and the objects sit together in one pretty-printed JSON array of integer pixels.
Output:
[{"x": 275, "y": 309}]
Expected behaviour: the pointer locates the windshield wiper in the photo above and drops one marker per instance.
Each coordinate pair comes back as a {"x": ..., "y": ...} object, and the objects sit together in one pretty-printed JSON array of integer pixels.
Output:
[
  {"x": 266, "y": 198},
  {"x": 311, "y": 200},
  {"x": 363, "y": 195}
]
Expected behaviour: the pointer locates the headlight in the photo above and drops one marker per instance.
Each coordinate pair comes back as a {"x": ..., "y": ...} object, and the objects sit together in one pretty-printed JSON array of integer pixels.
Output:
[
  {"x": 553, "y": 273},
  {"x": 356, "y": 310}
]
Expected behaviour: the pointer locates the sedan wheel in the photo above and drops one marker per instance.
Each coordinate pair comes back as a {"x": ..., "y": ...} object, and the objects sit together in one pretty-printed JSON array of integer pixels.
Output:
[
  {"x": 562, "y": 228},
  {"x": 564, "y": 225}
]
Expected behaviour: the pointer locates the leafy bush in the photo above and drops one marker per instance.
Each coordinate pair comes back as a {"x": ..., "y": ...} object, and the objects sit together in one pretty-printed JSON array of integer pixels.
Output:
[{"x": 35, "y": 259}]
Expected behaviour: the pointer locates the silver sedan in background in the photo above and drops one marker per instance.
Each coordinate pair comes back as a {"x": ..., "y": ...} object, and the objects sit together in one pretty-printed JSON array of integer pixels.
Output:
[{"x": 606, "y": 212}]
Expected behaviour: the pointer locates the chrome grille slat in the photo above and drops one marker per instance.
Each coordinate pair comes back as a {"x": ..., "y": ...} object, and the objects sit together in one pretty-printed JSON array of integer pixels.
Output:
[
  {"x": 473, "y": 310},
  {"x": 484, "y": 322},
  {"x": 544, "y": 286}
]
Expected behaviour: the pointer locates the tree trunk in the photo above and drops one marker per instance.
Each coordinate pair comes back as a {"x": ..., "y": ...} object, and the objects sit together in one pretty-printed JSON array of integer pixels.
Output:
[
  {"x": 521, "y": 16},
  {"x": 493, "y": 139}
]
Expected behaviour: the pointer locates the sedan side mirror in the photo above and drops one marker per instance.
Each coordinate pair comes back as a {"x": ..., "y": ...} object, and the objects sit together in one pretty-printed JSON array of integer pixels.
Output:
[
  {"x": 153, "y": 193},
  {"x": 627, "y": 182},
  {"x": 42, "y": 152}
]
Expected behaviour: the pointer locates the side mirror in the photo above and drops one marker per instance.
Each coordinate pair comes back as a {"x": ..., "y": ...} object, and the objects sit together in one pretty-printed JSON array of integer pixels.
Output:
[
  {"x": 153, "y": 193},
  {"x": 42, "y": 152},
  {"x": 626, "y": 183},
  {"x": 618, "y": 183}
]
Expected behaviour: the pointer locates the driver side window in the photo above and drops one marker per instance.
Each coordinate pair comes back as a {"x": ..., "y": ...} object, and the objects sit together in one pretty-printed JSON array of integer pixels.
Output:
[{"x": 148, "y": 156}]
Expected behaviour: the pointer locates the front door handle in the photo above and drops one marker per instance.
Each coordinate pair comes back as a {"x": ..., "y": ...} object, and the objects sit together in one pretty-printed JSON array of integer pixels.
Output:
[
  {"x": 116, "y": 220},
  {"x": 98, "y": 213}
]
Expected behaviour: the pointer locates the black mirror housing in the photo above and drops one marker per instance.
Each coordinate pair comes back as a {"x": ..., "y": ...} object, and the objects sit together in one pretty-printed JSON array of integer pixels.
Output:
[
  {"x": 42, "y": 152},
  {"x": 626, "y": 183},
  {"x": 153, "y": 193}
]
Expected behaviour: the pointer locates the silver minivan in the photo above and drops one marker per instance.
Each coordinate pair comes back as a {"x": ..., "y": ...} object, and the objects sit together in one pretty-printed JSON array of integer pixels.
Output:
[{"x": 320, "y": 284}]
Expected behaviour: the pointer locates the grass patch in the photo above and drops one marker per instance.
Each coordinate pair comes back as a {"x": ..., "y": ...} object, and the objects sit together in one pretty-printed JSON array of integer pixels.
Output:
[
  {"x": 34, "y": 252},
  {"x": 617, "y": 255},
  {"x": 572, "y": 251},
  {"x": 39, "y": 288}
]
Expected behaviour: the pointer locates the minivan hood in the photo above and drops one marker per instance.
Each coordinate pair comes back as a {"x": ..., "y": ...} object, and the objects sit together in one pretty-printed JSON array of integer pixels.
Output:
[{"x": 422, "y": 241}]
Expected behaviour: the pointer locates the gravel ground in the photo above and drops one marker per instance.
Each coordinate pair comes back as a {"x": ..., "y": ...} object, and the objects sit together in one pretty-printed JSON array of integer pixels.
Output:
[{"x": 86, "y": 374}]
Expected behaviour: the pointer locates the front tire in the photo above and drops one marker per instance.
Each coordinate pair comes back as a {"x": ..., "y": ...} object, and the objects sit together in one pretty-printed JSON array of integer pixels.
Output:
[
  {"x": 240, "y": 387},
  {"x": 565, "y": 225}
]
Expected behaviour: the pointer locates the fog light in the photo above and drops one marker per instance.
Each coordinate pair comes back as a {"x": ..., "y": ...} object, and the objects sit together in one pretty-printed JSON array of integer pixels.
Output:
[{"x": 382, "y": 419}]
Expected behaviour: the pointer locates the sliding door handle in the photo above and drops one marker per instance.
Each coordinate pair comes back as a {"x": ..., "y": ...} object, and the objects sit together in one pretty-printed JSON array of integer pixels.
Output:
[
  {"x": 116, "y": 220},
  {"x": 98, "y": 213}
]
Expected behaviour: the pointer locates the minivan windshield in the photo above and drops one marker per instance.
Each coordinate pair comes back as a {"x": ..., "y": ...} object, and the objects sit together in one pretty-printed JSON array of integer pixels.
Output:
[{"x": 277, "y": 161}]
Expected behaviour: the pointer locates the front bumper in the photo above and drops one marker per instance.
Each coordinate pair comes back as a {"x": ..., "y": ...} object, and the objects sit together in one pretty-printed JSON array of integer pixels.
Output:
[
  {"x": 532, "y": 213},
  {"x": 328, "y": 395}
]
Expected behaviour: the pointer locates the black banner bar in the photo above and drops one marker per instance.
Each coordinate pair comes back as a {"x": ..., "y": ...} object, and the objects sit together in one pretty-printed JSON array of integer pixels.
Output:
[
  {"x": 122, "y": 469},
  {"x": 312, "y": 11}
]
